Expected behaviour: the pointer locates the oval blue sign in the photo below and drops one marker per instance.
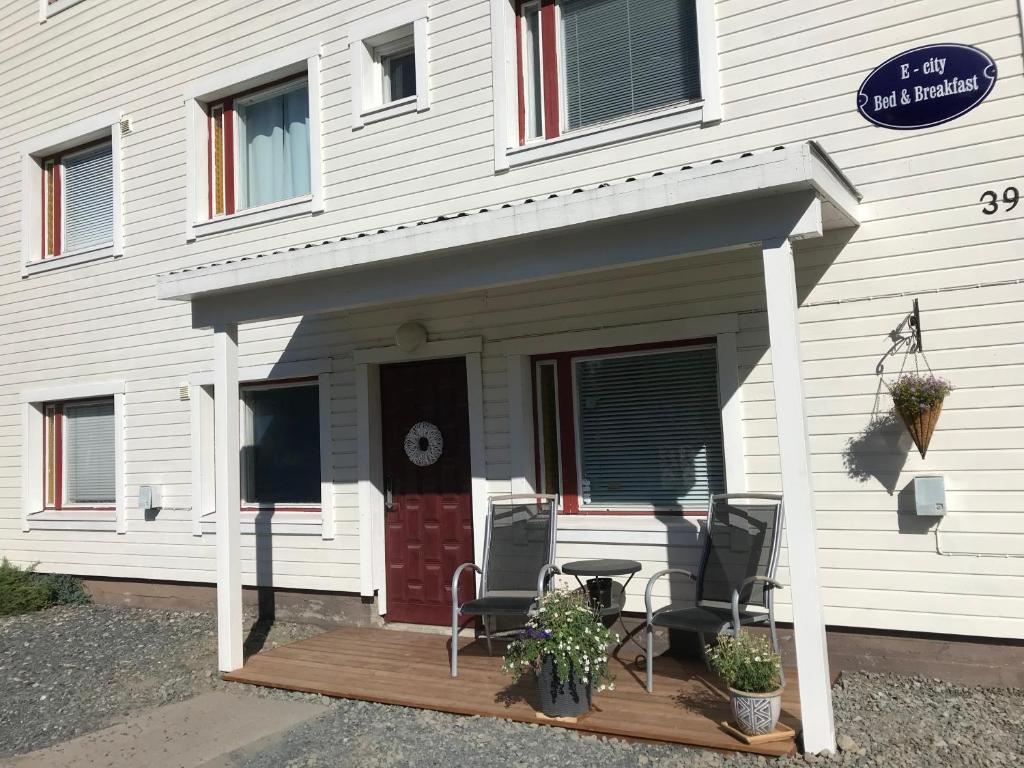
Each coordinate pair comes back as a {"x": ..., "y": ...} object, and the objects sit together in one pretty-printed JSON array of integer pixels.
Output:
[{"x": 926, "y": 86}]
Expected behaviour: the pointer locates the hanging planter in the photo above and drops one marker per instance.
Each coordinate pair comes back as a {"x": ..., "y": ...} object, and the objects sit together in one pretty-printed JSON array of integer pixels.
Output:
[{"x": 917, "y": 400}]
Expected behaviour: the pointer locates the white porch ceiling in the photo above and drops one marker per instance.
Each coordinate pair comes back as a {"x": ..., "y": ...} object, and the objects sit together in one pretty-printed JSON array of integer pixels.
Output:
[{"x": 794, "y": 191}]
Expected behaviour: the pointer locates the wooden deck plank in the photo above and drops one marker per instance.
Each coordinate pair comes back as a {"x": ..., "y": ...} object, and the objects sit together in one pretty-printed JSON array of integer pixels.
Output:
[{"x": 411, "y": 669}]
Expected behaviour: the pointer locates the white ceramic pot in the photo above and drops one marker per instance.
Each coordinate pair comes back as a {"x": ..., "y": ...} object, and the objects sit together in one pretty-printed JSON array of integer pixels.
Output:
[{"x": 756, "y": 713}]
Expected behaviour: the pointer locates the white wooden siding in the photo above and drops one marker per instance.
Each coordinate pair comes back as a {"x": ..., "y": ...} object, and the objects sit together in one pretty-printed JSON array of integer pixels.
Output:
[{"x": 789, "y": 72}]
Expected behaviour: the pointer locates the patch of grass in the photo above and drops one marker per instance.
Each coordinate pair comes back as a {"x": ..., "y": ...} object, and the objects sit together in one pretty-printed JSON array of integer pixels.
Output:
[
  {"x": 22, "y": 590},
  {"x": 64, "y": 588}
]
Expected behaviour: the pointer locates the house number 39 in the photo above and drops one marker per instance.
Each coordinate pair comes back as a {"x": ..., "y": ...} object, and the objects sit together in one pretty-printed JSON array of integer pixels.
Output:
[{"x": 991, "y": 199}]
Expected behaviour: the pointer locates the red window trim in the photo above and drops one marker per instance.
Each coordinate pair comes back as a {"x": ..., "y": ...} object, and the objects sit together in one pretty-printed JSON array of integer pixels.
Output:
[
  {"x": 228, "y": 105},
  {"x": 58, "y": 457},
  {"x": 274, "y": 509},
  {"x": 520, "y": 82},
  {"x": 568, "y": 468},
  {"x": 549, "y": 62},
  {"x": 53, "y": 175},
  {"x": 551, "y": 106}
]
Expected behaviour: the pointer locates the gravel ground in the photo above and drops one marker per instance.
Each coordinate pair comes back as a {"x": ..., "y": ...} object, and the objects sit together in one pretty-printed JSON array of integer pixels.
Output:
[
  {"x": 71, "y": 670},
  {"x": 67, "y": 671}
]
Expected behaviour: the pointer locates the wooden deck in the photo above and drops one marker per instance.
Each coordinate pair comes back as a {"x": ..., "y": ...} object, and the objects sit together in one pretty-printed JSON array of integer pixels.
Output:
[{"x": 411, "y": 669}]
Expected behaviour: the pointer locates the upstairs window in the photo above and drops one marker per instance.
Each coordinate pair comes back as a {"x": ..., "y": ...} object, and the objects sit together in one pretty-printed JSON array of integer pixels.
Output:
[
  {"x": 585, "y": 62},
  {"x": 389, "y": 60},
  {"x": 78, "y": 445},
  {"x": 259, "y": 148},
  {"x": 397, "y": 64},
  {"x": 78, "y": 200},
  {"x": 630, "y": 430}
]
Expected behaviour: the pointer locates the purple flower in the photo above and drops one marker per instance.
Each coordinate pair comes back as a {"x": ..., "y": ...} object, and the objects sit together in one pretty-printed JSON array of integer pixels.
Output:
[{"x": 531, "y": 633}]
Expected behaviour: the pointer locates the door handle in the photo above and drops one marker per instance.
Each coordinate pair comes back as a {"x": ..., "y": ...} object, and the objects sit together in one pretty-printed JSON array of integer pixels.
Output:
[{"x": 389, "y": 496}]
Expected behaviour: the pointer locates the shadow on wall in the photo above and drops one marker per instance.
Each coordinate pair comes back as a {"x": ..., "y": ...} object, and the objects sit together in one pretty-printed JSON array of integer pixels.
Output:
[{"x": 878, "y": 451}]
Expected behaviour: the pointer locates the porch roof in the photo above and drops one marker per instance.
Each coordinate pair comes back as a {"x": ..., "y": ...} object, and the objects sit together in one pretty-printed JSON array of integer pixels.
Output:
[{"x": 804, "y": 167}]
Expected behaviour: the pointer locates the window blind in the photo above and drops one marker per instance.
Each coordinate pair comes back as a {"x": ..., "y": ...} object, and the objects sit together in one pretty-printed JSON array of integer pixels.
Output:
[
  {"x": 89, "y": 453},
  {"x": 650, "y": 429},
  {"x": 626, "y": 56},
  {"x": 88, "y": 198}
]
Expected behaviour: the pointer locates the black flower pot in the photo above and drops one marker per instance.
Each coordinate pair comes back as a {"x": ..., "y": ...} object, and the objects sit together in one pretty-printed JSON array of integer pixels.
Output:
[
  {"x": 600, "y": 592},
  {"x": 567, "y": 698}
]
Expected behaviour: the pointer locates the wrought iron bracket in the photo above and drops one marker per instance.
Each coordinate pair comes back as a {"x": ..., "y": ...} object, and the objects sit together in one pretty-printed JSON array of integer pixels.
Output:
[{"x": 915, "y": 326}]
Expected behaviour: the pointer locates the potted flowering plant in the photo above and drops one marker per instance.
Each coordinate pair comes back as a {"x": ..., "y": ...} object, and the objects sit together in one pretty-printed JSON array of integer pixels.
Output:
[
  {"x": 752, "y": 670},
  {"x": 565, "y": 644},
  {"x": 917, "y": 400}
]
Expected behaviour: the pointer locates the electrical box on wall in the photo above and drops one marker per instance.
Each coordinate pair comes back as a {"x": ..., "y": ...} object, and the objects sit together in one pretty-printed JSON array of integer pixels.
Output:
[
  {"x": 930, "y": 496},
  {"x": 149, "y": 497}
]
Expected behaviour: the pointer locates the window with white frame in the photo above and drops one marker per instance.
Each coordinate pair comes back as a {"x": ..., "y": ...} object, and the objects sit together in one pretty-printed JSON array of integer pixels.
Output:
[
  {"x": 71, "y": 194},
  {"x": 389, "y": 64},
  {"x": 78, "y": 200},
  {"x": 585, "y": 62},
  {"x": 259, "y": 147},
  {"x": 79, "y": 448},
  {"x": 396, "y": 64},
  {"x": 281, "y": 445},
  {"x": 630, "y": 430},
  {"x": 253, "y": 142}
]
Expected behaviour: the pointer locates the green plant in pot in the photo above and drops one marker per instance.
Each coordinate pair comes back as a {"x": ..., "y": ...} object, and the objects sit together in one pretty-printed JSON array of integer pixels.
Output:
[
  {"x": 753, "y": 672},
  {"x": 565, "y": 644}
]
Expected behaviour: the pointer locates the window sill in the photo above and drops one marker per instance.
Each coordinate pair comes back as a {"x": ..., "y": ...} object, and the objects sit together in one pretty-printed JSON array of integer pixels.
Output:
[
  {"x": 73, "y": 520},
  {"x": 632, "y": 127},
  {"x": 641, "y": 529},
  {"x": 284, "y": 209},
  {"x": 285, "y": 523},
  {"x": 395, "y": 108},
  {"x": 68, "y": 260},
  {"x": 52, "y": 9}
]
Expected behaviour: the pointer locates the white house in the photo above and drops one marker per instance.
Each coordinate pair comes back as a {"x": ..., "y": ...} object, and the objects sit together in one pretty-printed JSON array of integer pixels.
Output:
[{"x": 488, "y": 215}]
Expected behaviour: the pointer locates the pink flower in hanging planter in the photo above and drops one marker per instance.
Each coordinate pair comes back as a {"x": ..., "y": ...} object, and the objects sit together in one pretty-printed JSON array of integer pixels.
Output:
[
  {"x": 917, "y": 400},
  {"x": 913, "y": 392}
]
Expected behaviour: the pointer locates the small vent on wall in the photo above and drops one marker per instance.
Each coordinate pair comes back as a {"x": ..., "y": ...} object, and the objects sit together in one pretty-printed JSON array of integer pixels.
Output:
[
  {"x": 183, "y": 392},
  {"x": 126, "y": 126}
]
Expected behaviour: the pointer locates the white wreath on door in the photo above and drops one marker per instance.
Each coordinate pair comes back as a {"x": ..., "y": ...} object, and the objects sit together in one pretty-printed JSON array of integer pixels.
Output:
[{"x": 424, "y": 444}]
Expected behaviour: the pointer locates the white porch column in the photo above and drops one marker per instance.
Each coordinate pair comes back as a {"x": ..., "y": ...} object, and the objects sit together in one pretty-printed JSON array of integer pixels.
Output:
[
  {"x": 794, "y": 449},
  {"x": 228, "y": 495}
]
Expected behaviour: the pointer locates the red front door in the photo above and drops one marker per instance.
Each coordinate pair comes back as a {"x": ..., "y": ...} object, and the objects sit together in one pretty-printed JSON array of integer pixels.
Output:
[{"x": 428, "y": 516}]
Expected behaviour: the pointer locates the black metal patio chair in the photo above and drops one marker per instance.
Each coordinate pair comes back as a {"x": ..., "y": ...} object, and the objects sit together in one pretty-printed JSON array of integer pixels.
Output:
[
  {"x": 736, "y": 577},
  {"x": 519, "y": 553}
]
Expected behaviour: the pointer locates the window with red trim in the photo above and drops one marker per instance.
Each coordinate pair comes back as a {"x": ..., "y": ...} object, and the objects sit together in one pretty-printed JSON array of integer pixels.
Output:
[
  {"x": 258, "y": 147},
  {"x": 281, "y": 445},
  {"x": 78, "y": 200},
  {"x": 78, "y": 454},
  {"x": 630, "y": 430},
  {"x": 585, "y": 62}
]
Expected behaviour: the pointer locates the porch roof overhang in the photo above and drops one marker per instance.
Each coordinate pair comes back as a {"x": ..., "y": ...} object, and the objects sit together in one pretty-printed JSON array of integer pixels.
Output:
[{"x": 794, "y": 192}]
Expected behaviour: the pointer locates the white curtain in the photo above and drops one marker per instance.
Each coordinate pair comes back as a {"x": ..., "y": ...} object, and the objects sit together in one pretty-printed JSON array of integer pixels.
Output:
[{"x": 276, "y": 148}]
